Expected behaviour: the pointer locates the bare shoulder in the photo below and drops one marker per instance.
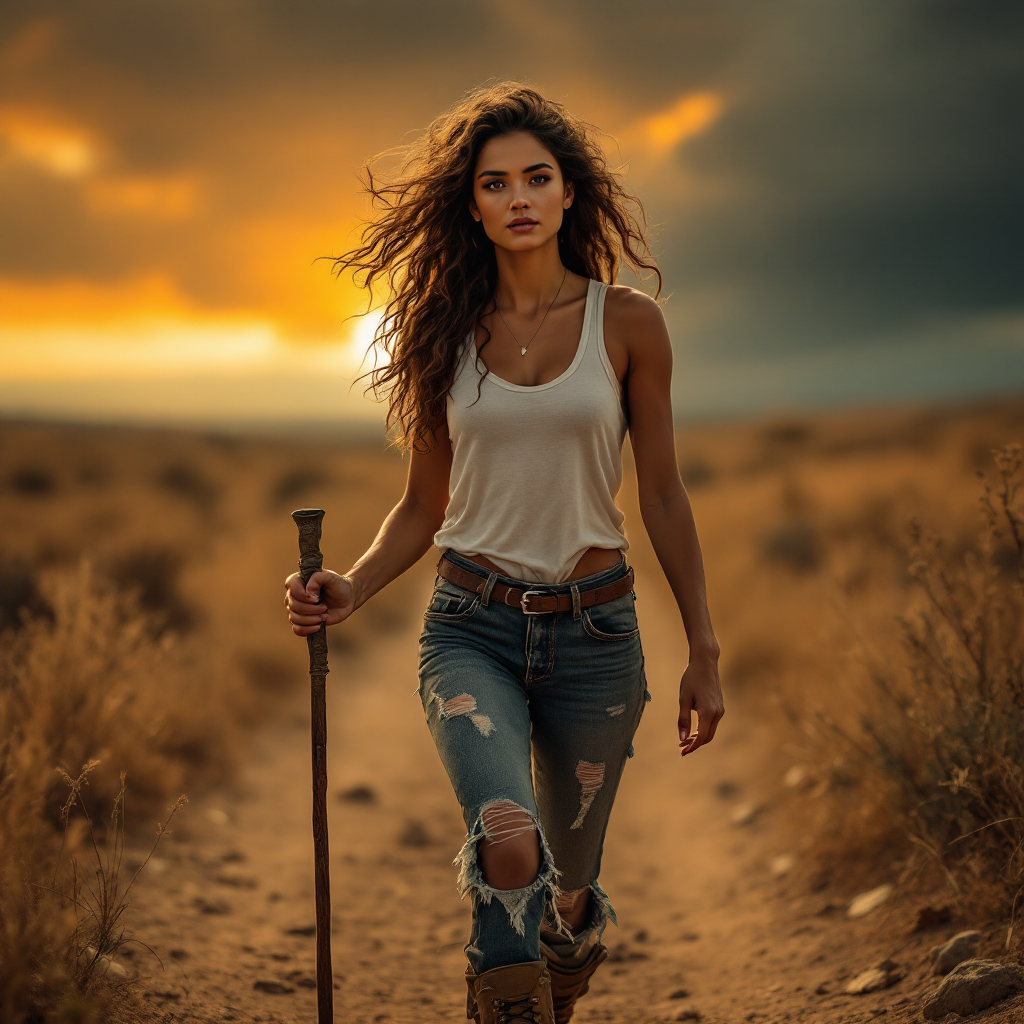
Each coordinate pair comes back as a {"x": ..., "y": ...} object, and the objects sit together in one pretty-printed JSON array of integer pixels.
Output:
[
  {"x": 628, "y": 307},
  {"x": 634, "y": 324}
]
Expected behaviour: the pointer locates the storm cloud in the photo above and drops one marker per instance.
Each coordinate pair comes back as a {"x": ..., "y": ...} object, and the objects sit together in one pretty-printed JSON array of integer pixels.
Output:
[{"x": 859, "y": 191}]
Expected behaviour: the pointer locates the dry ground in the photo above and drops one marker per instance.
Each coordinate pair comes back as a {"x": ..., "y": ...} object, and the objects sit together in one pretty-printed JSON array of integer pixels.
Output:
[
  {"x": 699, "y": 910},
  {"x": 801, "y": 523}
]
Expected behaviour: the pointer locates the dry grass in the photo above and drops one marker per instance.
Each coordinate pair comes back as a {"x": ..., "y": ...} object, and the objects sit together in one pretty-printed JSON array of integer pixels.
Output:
[
  {"x": 141, "y": 632},
  {"x": 885, "y": 660},
  {"x": 140, "y": 576},
  {"x": 82, "y": 685},
  {"x": 61, "y": 920},
  {"x": 934, "y": 774}
]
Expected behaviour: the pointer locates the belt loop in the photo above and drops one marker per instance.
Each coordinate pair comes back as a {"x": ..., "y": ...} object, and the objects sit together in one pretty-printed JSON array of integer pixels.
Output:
[
  {"x": 575, "y": 602},
  {"x": 485, "y": 594}
]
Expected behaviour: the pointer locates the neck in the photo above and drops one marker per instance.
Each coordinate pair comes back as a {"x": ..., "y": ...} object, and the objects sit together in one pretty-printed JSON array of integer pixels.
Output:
[{"x": 528, "y": 280}]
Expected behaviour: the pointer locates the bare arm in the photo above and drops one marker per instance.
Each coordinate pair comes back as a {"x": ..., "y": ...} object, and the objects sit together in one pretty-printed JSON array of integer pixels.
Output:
[
  {"x": 404, "y": 537},
  {"x": 664, "y": 505}
]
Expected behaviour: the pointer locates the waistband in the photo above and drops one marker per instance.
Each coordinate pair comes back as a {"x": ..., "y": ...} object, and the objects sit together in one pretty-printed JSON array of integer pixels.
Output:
[{"x": 596, "y": 579}]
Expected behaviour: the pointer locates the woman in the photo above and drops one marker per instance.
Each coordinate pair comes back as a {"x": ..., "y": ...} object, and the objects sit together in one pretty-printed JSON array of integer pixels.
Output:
[{"x": 516, "y": 369}]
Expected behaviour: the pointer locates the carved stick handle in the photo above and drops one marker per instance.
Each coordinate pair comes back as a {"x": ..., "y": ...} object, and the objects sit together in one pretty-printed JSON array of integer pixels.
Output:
[{"x": 309, "y": 522}]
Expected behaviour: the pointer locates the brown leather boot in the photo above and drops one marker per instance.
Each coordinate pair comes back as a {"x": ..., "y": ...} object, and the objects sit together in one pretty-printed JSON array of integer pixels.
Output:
[
  {"x": 569, "y": 983},
  {"x": 516, "y": 994}
]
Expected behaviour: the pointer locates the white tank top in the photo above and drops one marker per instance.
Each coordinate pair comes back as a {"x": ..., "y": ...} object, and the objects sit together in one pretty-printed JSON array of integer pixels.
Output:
[{"x": 535, "y": 470}]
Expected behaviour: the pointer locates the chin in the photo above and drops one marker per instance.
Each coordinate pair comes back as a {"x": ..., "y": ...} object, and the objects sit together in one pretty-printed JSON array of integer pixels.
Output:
[{"x": 522, "y": 243}]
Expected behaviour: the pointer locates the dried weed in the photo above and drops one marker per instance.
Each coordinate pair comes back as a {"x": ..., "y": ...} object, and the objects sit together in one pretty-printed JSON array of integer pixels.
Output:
[
  {"x": 934, "y": 773},
  {"x": 93, "y": 680}
]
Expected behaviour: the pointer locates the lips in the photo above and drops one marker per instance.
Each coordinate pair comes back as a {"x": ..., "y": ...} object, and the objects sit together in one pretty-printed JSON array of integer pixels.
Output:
[{"x": 523, "y": 222}]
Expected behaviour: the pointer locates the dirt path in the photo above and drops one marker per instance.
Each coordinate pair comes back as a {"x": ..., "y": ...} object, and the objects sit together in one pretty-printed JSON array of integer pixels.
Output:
[{"x": 229, "y": 904}]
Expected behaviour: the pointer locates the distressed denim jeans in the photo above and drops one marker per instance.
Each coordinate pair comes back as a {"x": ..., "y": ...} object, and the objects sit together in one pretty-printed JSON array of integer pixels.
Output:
[{"x": 539, "y": 712}]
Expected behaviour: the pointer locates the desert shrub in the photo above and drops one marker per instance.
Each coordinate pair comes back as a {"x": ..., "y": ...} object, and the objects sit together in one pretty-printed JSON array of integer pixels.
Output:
[
  {"x": 62, "y": 907},
  {"x": 94, "y": 685},
  {"x": 794, "y": 544},
  {"x": 697, "y": 473},
  {"x": 151, "y": 573},
  {"x": 33, "y": 482},
  {"x": 100, "y": 682},
  {"x": 788, "y": 432},
  {"x": 190, "y": 483},
  {"x": 19, "y": 595},
  {"x": 35, "y": 931},
  {"x": 296, "y": 484},
  {"x": 935, "y": 772}
]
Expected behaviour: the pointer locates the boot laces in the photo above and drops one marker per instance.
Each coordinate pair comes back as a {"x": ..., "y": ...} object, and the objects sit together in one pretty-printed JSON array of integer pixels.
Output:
[{"x": 517, "y": 1011}]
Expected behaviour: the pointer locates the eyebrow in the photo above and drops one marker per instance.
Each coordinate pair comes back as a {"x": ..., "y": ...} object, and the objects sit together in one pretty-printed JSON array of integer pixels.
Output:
[{"x": 504, "y": 174}]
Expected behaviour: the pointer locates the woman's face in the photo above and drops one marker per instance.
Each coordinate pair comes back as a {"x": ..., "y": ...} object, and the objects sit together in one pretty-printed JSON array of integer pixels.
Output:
[{"x": 518, "y": 192}]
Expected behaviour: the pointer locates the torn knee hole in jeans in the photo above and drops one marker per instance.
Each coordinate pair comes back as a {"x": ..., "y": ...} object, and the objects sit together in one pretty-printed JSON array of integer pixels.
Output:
[
  {"x": 572, "y": 947},
  {"x": 566, "y": 902},
  {"x": 464, "y": 704},
  {"x": 504, "y": 820},
  {"x": 498, "y": 822},
  {"x": 600, "y": 907}
]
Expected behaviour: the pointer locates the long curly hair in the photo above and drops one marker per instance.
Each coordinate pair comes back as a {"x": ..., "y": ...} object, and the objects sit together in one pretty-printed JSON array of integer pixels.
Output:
[{"x": 439, "y": 266}]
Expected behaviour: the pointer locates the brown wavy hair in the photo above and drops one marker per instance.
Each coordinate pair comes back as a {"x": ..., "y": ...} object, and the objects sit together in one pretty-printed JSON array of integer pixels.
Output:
[{"x": 438, "y": 264}]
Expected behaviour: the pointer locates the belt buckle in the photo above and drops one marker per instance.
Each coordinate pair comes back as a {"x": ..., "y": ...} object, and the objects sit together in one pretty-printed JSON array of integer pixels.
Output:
[{"x": 529, "y": 593}]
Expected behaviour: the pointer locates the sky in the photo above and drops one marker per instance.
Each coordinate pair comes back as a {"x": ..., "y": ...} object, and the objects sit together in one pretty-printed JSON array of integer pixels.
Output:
[{"x": 834, "y": 190}]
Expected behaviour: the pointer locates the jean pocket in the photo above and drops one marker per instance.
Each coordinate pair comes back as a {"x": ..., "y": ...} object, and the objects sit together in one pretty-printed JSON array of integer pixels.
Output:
[
  {"x": 450, "y": 603},
  {"x": 613, "y": 620}
]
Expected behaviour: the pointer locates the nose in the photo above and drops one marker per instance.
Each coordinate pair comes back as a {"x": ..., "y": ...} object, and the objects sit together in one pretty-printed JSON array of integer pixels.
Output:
[{"x": 519, "y": 202}]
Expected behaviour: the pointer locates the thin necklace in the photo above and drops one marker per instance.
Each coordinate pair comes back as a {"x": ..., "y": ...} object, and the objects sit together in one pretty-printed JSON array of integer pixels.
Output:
[{"x": 522, "y": 347}]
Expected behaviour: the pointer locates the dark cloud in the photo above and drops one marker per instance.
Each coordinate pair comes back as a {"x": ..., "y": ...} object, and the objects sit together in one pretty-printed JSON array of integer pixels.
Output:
[
  {"x": 864, "y": 180},
  {"x": 875, "y": 168}
]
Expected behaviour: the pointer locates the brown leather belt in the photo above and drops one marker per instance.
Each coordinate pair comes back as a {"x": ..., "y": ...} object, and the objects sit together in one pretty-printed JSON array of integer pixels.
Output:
[{"x": 533, "y": 602}]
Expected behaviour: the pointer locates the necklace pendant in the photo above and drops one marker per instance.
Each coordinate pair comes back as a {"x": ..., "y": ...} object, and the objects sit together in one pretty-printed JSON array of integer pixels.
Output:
[{"x": 522, "y": 351}]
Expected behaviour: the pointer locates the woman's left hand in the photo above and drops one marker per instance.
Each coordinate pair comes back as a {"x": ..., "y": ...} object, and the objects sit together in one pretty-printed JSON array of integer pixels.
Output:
[{"x": 699, "y": 691}]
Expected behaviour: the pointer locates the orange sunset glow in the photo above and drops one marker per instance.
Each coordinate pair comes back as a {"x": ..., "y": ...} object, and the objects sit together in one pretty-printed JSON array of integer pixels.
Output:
[
  {"x": 281, "y": 292},
  {"x": 687, "y": 117},
  {"x": 168, "y": 180}
]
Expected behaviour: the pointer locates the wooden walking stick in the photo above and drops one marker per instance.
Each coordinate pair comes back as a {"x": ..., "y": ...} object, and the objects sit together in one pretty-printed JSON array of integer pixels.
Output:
[{"x": 309, "y": 521}]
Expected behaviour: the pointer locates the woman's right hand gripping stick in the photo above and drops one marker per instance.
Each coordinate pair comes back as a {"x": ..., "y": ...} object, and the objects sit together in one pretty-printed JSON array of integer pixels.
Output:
[{"x": 328, "y": 598}]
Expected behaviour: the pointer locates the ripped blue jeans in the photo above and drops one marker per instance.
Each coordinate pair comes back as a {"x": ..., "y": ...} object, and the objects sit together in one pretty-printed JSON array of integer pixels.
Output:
[{"x": 534, "y": 712}]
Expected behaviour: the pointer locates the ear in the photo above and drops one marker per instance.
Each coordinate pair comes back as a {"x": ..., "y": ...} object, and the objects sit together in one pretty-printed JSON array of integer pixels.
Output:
[
  {"x": 570, "y": 195},
  {"x": 474, "y": 211}
]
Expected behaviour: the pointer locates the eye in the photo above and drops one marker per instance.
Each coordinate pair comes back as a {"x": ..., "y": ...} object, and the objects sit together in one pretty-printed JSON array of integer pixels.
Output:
[
  {"x": 488, "y": 187},
  {"x": 542, "y": 178}
]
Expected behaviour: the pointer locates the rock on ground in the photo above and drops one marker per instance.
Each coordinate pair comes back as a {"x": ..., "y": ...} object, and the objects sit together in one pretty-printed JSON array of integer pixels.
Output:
[
  {"x": 972, "y": 986},
  {"x": 874, "y": 978},
  {"x": 963, "y": 946},
  {"x": 862, "y": 905}
]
